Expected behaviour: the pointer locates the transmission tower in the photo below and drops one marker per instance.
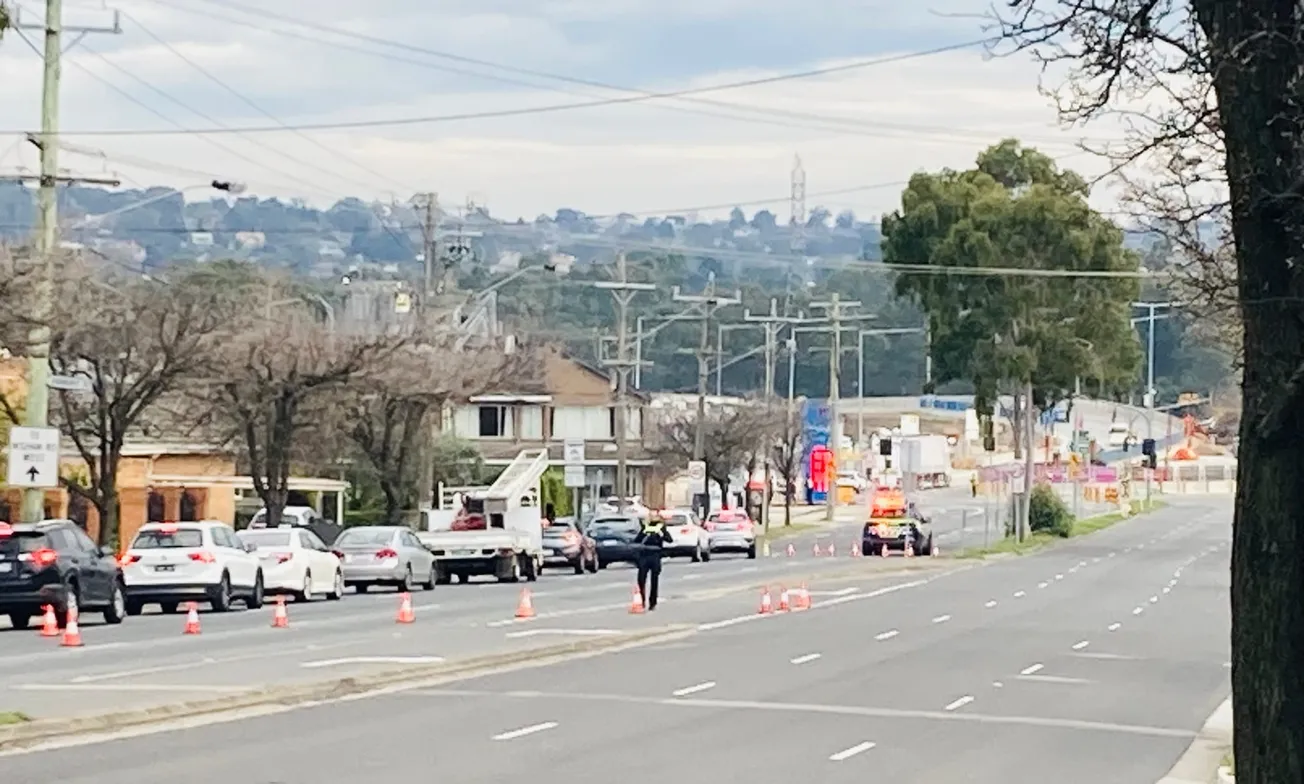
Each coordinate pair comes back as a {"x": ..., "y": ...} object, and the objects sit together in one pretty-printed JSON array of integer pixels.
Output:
[{"x": 797, "y": 207}]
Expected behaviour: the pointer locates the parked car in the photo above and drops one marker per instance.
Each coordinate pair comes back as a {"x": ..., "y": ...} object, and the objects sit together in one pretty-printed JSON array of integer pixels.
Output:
[
  {"x": 615, "y": 539},
  {"x": 296, "y": 561},
  {"x": 565, "y": 544},
  {"x": 384, "y": 555},
  {"x": 169, "y": 563},
  {"x": 690, "y": 537},
  {"x": 55, "y": 563}
]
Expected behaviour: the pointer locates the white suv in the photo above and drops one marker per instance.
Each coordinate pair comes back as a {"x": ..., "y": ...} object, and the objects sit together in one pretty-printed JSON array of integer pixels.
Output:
[{"x": 169, "y": 563}]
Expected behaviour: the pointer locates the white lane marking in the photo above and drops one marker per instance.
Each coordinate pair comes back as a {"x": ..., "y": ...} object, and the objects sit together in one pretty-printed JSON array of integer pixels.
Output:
[
  {"x": 851, "y": 752},
  {"x": 1082, "y": 563},
  {"x": 1111, "y": 555},
  {"x": 1138, "y": 610},
  {"x": 1032, "y": 669},
  {"x": 1059, "y": 577},
  {"x": 1113, "y": 627},
  {"x": 204, "y": 661},
  {"x": 693, "y": 689},
  {"x": 810, "y": 657},
  {"x": 523, "y": 731},
  {"x": 727, "y": 622},
  {"x": 1077, "y": 646},
  {"x": 573, "y": 632},
  {"x": 1042, "y": 585},
  {"x": 990, "y": 604},
  {"x": 1154, "y": 599},
  {"x": 960, "y": 703},
  {"x": 887, "y": 635},
  {"x": 1051, "y": 679},
  {"x": 1167, "y": 589},
  {"x": 1105, "y": 656},
  {"x": 997, "y": 685},
  {"x": 689, "y": 577},
  {"x": 372, "y": 660},
  {"x": 942, "y": 619},
  {"x": 158, "y": 687},
  {"x": 1019, "y": 594}
]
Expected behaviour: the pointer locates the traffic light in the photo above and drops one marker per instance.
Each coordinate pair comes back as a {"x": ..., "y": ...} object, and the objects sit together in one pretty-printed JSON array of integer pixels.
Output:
[
  {"x": 885, "y": 447},
  {"x": 989, "y": 437},
  {"x": 1148, "y": 447},
  {"x": 989, "y": 443}
]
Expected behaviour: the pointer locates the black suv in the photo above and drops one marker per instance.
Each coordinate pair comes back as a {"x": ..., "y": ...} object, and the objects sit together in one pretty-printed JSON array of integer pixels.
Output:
[{"x": 49, "y": 563}]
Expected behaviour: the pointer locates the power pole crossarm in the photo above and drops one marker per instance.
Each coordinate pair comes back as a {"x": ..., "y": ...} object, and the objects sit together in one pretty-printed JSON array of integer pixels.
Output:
[{"x": 624, "y": 292}]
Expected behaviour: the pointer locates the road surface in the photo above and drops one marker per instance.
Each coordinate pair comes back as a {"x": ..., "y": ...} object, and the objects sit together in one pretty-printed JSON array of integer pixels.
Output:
[{"x": 1095, "y": 661}]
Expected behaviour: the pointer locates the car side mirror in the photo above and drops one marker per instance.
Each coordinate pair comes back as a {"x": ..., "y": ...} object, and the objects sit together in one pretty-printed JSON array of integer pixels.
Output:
[
  {"x": 107, "y": 551},
  {"x": 250, "y": 547}
]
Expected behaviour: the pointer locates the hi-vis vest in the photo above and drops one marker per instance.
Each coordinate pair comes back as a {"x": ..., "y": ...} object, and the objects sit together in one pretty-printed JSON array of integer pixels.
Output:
[{"x": 654, "y": 528}]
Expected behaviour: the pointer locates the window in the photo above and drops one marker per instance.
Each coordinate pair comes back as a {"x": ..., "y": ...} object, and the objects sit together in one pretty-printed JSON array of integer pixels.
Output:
[
  {"x": 153, "y": 540},
  {"x": 311, "y": 540},
  {"x": 83, "y": 541},
  {"x": 63, "y": 541},
  {"x": 494, "y": 422},
  {"x": 265, "y": 537}
]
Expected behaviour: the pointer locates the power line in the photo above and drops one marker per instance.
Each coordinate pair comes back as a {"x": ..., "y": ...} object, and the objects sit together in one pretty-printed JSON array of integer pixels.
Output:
[{"x": 522, "y": 111}]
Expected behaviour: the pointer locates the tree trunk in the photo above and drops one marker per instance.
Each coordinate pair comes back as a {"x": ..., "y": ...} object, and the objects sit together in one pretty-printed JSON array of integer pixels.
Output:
[
  {"x": 1016, "y": 422},
  {"x": 109, "y": 520},
  {"x": 393, "y": 501},
  {"x": 723, "y": 484}
]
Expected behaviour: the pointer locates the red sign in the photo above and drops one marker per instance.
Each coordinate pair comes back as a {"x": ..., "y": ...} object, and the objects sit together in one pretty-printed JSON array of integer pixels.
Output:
[{"x": 821, "y": 460}]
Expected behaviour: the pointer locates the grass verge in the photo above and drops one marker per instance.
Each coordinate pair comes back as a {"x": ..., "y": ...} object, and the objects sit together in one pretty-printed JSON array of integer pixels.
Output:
[
  {"x": 13, "y": 717},
  {"x": 1038, "y": 541},
  {"x": 781, "y": 531}
]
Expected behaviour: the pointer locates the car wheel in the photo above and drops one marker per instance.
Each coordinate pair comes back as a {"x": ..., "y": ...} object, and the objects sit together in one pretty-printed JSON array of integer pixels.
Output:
[
  {"x": 405, "y": 584},
  {"x": 429, "y": 584},
  {"x": 256, "y": 597},
  {"x": 20, "y": 620},
  {"x": 697, "y": 554},
  {"x": 706, "y": 553},
  {"x": 602, "y": 564},
  {"x": 167, "y": 608},
  {"x": 305, "y": 594},
  {"x": 593, "y": 564},
  {"x": 462, "y": 578},
  {"x": 751, "y": 551},
  {"x": 221, "y": 601},
  {"x": 135, "y": 607},
  {"x": 579, "y": 564},
  {"x": 337, "y": 591},
  {"x": 117, "y": 609}
]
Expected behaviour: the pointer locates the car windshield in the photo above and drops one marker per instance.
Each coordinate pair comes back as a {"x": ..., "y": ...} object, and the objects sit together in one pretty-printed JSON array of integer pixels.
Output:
[
  {"x": 271, "y": 538},
  {"x": 613, "y": 529},
  {"x": 677, "y": 519},
  {"x": 155, "y": 540},
  {"x": 557, "y": 530},
  {"x": 22, "y": 542},
  {"x": 363, "y": 537}
]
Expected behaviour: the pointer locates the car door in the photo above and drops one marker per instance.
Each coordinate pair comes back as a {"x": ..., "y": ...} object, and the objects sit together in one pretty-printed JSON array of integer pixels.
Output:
[
  {"x": 241, "y": 564},
  {"x": 423, "y": 561},
  {"x": 320, "y": 559},
  {"x": 82, "y": 565},
  {"x": 103, "y": 566}
]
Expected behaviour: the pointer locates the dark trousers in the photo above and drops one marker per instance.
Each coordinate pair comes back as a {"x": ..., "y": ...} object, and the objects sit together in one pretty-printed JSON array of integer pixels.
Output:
[{"x": 649, "y": 564}]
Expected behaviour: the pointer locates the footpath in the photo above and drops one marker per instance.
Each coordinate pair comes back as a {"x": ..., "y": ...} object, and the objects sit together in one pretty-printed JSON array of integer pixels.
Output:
[{"x": 1203, "y": 761}]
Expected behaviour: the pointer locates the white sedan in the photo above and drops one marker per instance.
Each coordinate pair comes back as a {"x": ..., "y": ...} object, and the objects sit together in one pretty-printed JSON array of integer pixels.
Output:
[
  {"x": 296, "y": 561},
  {"x": 687, "y": 535}
]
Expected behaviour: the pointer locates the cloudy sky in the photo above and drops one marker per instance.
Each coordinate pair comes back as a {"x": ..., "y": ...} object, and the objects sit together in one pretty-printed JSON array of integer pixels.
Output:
[{"x": 205, "y": 64}]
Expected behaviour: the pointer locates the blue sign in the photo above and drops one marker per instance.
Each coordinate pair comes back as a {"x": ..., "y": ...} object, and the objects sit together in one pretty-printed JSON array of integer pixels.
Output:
[
  {"x": 931, "y": 401},
  {"x": 816, "y": 423}
]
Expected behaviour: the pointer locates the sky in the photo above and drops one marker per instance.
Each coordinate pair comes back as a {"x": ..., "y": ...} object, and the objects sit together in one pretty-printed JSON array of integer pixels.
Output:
[{"x": 860, "y": 131}]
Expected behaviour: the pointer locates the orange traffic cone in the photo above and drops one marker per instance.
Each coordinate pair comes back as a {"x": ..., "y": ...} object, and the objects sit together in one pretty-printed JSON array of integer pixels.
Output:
[
  {"x": 832, "y": 550},
  {"x": 784, "y": 605},
  {"x": 50, "y": 623},
  {"x": 791, "y": 551},
  {"x": 884, "y": 552},
  {"x": 405, "y": 613},
  {"x": 815, "y": 549},
  {"x": 192, "y": 619},
  {"x": 525, "y": 607},
  {"x": 280, "y": 618},
  {"x": 636, "y": 602},
  {"x": 802, "y": 599},
  {"x": 855, "y": 550},
  {"x": 766, "y": 606},
  {"x": 71, "y": 632},
  {"x": 910, "y": 551},
  {"x": 934, "y": 551}
]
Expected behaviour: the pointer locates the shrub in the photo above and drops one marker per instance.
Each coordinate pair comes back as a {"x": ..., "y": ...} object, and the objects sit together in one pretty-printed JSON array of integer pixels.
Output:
[{"x": 1047, "y": 512}]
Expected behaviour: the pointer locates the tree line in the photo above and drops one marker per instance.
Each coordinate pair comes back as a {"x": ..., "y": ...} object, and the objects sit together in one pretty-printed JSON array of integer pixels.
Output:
[{"x": 234, "y": 355}]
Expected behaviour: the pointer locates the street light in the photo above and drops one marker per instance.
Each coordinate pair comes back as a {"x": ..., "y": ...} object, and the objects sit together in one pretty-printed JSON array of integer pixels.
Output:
[
  {"x": 1151, "y": 307},
  {"x": 233, "y": 188}
]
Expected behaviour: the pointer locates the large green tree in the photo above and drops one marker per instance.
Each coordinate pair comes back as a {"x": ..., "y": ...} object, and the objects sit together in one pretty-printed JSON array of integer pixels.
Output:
[
  {"x": 1048, "y": 327},
  {"x": 1224, "y": 115}
]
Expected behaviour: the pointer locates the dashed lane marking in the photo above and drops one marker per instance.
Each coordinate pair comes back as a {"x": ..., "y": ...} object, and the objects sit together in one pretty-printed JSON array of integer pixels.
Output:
[
  {"x": 1080, "y": 645},
  {"x": 960, "y": 703},
  {"x": 851, "y": 752},
  {"x": 694, "y": 689},
  {"x": 523, "y": 731},
  {"x": 887, "y": 635},
  {"x": 942, "y": 619},
  {"x": 808, "y": 658},
  {"x": 1032, "y": 669}
]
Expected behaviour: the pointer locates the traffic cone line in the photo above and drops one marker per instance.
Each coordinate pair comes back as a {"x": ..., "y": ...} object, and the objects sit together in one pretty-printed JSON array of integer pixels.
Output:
[
  {"x": 192, "y": 619},
  {"x": 405, "y": 611},
  {"x": 766, "y": 606},
  {"x": 636, "y": 602},
  {"x": 280, "y": 618},
  {"x": 71, "y": 631},
  {"x": 50, "y": 623}
]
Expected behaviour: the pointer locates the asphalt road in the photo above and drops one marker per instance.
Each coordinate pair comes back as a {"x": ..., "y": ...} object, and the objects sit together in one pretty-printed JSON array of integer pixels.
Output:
[{"x": 1095, "y": 661}]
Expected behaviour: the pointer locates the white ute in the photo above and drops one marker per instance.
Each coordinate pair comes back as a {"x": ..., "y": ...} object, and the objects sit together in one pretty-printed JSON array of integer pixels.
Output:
[{"x": 497, "y": 531}]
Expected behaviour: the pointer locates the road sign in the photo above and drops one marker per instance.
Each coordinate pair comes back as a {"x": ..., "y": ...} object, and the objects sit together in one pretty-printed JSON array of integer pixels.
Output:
[
  {"x": 33, "y": 457},
  {"x": 697, "y": 476},
  {"x": 70, "y": 383},
  {"x": 1017, "y": 471},
  {"x": 574, "y": 475},
  {"x": 572, "y": 451}
]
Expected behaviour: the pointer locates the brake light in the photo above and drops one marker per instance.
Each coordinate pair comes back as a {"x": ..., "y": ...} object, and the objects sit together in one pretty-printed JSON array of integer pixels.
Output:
[
  {"x": 128, "y": 559},
  {"x": 338, "y": 554},
  {"x": 6, "y": 530},
  {"x": 203, "y": 557},
  {"x": 685, "y": 531},
  {"x": 44, "y": 557},
  {"x": 388, "y": 552},
  {"x": 284, "y": 557}
]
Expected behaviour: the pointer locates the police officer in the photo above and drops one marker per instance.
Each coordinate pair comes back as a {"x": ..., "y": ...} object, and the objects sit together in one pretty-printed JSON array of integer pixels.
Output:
[{"x": 652, "y": 538}]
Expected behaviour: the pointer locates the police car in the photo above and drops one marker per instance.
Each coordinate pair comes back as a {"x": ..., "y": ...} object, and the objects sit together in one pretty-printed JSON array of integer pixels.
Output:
[{"x": 892, "y": 525}]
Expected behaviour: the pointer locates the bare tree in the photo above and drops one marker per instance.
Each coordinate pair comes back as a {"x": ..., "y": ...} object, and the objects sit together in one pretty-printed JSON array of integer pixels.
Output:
[
  {"x": 786, "y": 451},
  {"x": 1223, "y": 127},
  {"x": 732, "y": 434},
  {"x": 389, "y": 407},
  {"x": 279, "y": 379}
]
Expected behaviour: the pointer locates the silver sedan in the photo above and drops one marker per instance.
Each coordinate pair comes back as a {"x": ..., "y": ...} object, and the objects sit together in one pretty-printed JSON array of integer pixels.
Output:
[{"x": 384, "y": 555}]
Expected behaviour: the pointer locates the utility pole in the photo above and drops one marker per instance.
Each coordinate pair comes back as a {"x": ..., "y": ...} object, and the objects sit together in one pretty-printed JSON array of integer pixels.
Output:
[
  {"x": 708, "y": 303},
  {"x": 624, "y": 292},
  {"x": 428, "y": 205},
  {"x": 37, "y": 405},
  {"x": 1150, "y": 316},
  {"x": 773, "y": 324}
]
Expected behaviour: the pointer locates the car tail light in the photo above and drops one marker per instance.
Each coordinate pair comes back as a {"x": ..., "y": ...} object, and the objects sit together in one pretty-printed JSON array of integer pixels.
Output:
[
  {"x": 388, "y": 552},
  {"x": 284, "y": 557},
  {"x": 169, "y": 528},
  {"x": 44, "y": 557},
  {"x": 128, "y": 559},
  {"x": 203, "y": 557},
  {"x": 338, "y": 554},
  {"x": 685, "y": 531},
  {"x": 6, "y": 530}
]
